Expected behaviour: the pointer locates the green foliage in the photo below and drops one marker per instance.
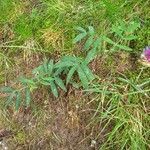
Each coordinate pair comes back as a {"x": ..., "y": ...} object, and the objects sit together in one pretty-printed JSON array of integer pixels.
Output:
[
  {"x": 5, "y": 61},
  {"x": 23, "y": 27},
  {"x": 45, "y": 75},
  {"x": 112, "y": 10},
  {"x": 72, "y": 65},
  {"x": 124, "y": 33},
  {"x": 125, "y": 30},
  {"x": 92, "y": 43},
  {"x": 6, "y": 7},
  {"x": 124, "y": 111},
  {"x": 49, "y": 73},
  {"x": 17, "y": 96},
  {"x": 28, "y": 24},
  {"x": 121, "y": 105}
]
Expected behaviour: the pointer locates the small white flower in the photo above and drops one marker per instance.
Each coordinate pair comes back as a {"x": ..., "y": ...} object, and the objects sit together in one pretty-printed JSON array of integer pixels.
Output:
[{"x": 93, "y": 143}]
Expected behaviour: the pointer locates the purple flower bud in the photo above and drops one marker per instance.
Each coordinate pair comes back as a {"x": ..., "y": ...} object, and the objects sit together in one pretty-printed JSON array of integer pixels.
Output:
[{"x": 146, "y": 54}]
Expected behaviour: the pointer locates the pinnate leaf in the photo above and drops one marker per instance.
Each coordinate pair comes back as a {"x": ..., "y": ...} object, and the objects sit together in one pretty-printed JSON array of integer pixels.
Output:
[
  {"x": 54, "y": 89},
  {"x": 70, "y": 74},
  {"x": 79, "y": 37},
  {"x": 82, "y": 77},
  {"x": 60, "y": 83},
  {"x": 18, "y": 100},
  {"x": 27, "y": 97}
]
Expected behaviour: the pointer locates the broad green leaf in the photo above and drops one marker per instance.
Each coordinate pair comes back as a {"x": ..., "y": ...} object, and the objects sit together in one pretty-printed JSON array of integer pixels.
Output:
[
  {"x": 58, "y": 71},
  {"x": 50, "y": 66},
  {"x": 47, "y": 78},
  {"x": 27, "y": 97},
  {"x": 122, "y": 25},
  {"x": 132, "y": 27},
  {"x": 124, "y": 47},
  {"x": 26, "y": 81},
  {"x": 108, "y": 40},
  {"x": 117, "y": 30},
  {"x": 10, "y": 98},
  {"x": 90, "y": 56},
  {"x": 41, "y": 69},
  {"x": 129, "y": 37},
  {"x": 45, "y": 66},
  {"x": 81, "y": 29},
  {"x": 117, "y": 45},
  {"x": 91, "y": 30},
  {"x": 43, "y": 82},
  {"x": 71, "y": 60},
  {"x": 53, "y": 88},
  {"x": 88, "y": 72},
  {"x": 60, "y": 83},
  {"x": 18, "y": 101},
  {"x": 82, "y": 77},
  {"x": 37, "y": 70},
  {"x": 63, "y": 64},
  {"x": 89, "y": 42},
  {"x": 70, "y": 74},
  {"x": 93, "y": 52},
  {"x": 79, "y": 37},
  {"x": 6, "y": 89},
  {"x": 97, "y": 43}
]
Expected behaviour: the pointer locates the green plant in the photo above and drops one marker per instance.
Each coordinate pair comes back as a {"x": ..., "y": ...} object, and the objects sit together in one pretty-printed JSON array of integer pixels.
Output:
[
  {"x": 17, "y": 96},
  {"x": 122, "y": 107},
  {"x": 124, "y": 33},
  {"x": 48, "y": 74},
  {"x": 5, "y": 61},
  {"x": 45, "y": 75},
  {"x": 72, "y": 65},
  {"x": 6, "y": 8},
  {"x": 23, "y": 27},
  {"x": 125, "y": 30},
  {"x": 113, "y": 11}
]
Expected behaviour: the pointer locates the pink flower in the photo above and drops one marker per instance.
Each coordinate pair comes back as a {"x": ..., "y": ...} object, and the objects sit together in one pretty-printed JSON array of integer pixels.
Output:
[{"x": 146, "y": 54}]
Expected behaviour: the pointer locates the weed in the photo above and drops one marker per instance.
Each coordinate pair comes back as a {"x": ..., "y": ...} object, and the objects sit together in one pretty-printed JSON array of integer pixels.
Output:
[{"x": 48, "y": 74}]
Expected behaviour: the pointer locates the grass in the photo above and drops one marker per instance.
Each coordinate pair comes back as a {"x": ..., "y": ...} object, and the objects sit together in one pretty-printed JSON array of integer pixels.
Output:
[
  {"x": 113, "y": 113},
  {"x": 125, "y": 112}
]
